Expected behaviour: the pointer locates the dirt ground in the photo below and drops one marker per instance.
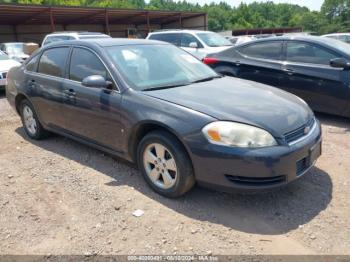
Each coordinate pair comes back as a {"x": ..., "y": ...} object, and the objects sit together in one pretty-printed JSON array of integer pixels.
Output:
[{"x": 60, "y": 197}]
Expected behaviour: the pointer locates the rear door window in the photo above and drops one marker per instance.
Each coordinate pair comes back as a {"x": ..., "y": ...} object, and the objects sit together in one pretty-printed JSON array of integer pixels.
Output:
[
  {"x": 171, "y": 38},
  {"x": 264, "y": 50},
  {"x": 302, "y": 52},
  {"x": 84, "y": 63},
  {"x": 53, "y": 61}
]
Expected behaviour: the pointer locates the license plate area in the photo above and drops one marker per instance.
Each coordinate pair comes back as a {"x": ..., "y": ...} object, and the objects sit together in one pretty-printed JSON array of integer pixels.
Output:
[{"x": 315, "y": 152}]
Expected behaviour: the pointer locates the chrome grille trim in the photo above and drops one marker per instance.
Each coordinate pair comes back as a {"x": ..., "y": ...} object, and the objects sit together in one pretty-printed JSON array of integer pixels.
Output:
[{"x": 312, "y": 130}]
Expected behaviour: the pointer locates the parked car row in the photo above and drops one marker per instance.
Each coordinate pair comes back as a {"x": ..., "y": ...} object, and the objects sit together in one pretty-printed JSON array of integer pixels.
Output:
[{"x": 160, "y": 107}]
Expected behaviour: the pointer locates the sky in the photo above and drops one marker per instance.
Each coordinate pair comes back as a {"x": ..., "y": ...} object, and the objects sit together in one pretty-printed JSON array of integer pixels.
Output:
[{"x": 314, "y": 5}]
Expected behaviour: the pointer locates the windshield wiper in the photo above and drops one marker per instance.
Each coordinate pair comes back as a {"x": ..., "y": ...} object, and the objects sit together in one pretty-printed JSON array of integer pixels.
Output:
[
  {"x": 163, "y": 87},
  {"x": 206, "y": 79}
]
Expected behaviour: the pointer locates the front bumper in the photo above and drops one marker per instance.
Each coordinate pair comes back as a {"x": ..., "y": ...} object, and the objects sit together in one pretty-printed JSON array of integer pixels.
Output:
[{"x": 241, "y": 169}]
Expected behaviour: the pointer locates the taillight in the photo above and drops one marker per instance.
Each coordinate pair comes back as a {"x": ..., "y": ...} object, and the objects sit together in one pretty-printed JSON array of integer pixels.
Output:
[{"x": 210, "y": 60}]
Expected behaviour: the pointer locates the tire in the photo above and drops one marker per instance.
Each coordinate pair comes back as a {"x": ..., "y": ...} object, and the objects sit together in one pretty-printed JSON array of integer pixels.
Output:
[
  {"x": 30, "y": 121},
  {"x": 181, "y": 174}
]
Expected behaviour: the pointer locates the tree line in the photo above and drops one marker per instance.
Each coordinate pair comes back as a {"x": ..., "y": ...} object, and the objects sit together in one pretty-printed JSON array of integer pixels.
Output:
[{"x": 334, "y": 15}]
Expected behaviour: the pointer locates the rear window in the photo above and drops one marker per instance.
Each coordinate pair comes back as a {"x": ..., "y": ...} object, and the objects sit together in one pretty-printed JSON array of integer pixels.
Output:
[
  {"x": 264, "y": 50},
  {"x": 169, "y": 38},
  {"x": 54, "y": 39},
  {"x": 345, "y": 38},
  {"x": 53, "y": 61}
]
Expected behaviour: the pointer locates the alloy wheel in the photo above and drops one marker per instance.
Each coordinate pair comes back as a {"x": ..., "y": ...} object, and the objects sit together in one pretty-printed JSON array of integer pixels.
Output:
[
  {"x": 29, "y": 120},
  {"x": 160, "y": 166}
]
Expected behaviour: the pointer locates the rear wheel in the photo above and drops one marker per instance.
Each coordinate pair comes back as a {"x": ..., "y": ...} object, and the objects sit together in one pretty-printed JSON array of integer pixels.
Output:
[
  {"x": 165, "y": 164},
  {"x": 30, "y": 121}
]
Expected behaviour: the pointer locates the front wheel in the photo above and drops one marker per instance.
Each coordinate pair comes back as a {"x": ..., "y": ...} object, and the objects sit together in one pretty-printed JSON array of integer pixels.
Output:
[{"x": 165, "y": 165}]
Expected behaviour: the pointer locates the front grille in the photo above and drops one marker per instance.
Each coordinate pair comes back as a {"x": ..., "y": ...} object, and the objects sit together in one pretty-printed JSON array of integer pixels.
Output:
[
  {"x": 299, "y": 132},
  {"x": 256, "y": 181},
  {"x": 302, "y": 165}
]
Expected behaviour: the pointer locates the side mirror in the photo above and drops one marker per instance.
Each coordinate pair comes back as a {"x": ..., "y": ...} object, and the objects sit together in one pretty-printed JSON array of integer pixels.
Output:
[
  {"x": 340, "y": 63},
  {"x": 96, "y": 81},
  {"x": 193, "y": 45}
]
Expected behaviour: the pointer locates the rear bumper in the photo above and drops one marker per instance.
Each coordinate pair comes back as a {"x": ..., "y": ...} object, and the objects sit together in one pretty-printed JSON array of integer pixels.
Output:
[{"x": 239, "y": 169}]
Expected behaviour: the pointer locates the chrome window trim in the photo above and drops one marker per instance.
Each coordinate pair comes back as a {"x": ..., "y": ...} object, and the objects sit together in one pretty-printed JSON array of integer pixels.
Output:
[
  {"x": 312, "y": 130},
  {"x": 117, "y": 90}
]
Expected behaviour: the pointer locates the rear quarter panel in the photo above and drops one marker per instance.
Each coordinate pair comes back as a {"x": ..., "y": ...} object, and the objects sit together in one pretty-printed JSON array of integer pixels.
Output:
[{"x": 15, "y": 84}]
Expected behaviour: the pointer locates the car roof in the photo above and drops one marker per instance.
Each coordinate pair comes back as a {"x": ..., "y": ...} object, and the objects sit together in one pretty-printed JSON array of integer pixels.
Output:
[
  {"x": 76, "y": 33},
  {"x": 166, "y": 31},
  {"x": 306, "y": 38},
  {"x": 104, "y": 42}
]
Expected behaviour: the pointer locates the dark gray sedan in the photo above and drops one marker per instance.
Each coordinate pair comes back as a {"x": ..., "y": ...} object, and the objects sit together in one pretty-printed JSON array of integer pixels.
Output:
[{"x": 154, "y": 104}]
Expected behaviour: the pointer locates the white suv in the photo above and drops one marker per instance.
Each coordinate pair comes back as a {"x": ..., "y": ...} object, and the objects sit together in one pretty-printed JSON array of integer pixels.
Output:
[
  {"x": 198, "y": 43},
  {"x": 62, "y": 36}
]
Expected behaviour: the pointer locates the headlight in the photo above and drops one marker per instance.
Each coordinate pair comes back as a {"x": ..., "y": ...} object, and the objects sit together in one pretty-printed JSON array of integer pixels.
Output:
[{"x": 237, "y": 135}]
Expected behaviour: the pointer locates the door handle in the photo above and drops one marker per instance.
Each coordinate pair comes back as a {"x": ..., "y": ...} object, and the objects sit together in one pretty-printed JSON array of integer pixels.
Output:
[
  {"x": 70, "y": 92},
  {"x": 238, "y": 63},
  {"x": 31, "y": 83}
]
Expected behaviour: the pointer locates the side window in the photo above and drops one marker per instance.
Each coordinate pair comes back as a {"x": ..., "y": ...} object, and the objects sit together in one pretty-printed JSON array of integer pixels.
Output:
[
  {"x": 186, "y": 39},
  {"x": 85, "y": 63},
  {"x": 53, "y": 61},
  {"x": 307, "y": 53},
  {"x": 32, "y": 64},
  {"x": 170, "y": 38},
  {"x": 265, "y": 50}
]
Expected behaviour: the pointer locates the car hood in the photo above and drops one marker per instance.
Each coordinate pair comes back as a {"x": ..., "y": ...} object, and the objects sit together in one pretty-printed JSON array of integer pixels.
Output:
[
  {"x": 6, "y": 65},
  {"x": 233, "y": 99}
]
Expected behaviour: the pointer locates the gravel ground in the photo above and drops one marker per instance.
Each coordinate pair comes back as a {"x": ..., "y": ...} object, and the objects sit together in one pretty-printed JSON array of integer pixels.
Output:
[{"x": 61, "y": 197}]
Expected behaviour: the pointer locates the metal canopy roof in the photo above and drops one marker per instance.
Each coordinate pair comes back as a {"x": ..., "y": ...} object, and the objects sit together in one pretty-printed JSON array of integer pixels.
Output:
[{"x": 41, "y": 14}]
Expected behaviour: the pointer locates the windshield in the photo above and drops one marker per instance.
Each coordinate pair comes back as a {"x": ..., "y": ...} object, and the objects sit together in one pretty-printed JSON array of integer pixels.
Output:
[
  {"x": 155, "y": 66},
  {"x": 3, "y": 56},
  {"x": 15, "y": 48},
  {"x": 213, "y": 39}
]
